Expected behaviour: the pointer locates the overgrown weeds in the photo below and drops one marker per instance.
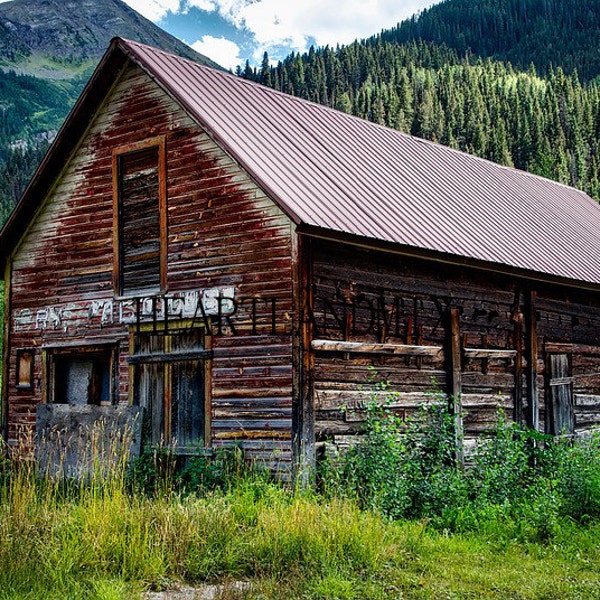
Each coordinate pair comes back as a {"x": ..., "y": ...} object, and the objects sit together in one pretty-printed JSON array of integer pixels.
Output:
[
  {"x": 397, "y": 518},
  {"x": 518, "y": 484}
]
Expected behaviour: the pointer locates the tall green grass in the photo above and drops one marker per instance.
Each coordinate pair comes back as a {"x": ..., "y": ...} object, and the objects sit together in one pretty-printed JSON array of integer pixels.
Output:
[{"x": 482, "y": 533}]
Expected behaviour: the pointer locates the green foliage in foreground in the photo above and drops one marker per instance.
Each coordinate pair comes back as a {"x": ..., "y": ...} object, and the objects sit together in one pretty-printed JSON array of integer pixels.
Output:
[
  {"x": 518, "y": 485},
  {"x": 101, "y": 541},
  {"x": 521, "y": 522}
]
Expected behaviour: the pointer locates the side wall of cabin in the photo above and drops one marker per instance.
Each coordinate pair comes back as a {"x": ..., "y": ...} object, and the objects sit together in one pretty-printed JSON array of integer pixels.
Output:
[
  {"x": 400, "y": 329},
  {"x": 225, "y": 238}
]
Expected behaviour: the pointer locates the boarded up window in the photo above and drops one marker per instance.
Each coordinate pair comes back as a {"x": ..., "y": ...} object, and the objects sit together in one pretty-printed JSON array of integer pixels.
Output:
[
  {"x": 170, "y": 384},
  {"x": 25, "y": 369},
  {"x": 140, "y": 213},
  {"x": 82, "y": 377},
  {"x": 560, "y": 395}
]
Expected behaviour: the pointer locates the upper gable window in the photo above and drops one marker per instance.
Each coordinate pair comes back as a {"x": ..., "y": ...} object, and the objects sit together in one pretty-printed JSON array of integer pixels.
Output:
[{"x": 139, "y": 188}]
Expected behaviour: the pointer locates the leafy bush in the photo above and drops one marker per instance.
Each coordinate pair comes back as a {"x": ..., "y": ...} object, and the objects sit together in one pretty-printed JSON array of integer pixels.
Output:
[
  {"x": 573, "y": 469},
  {"x": 405, "y": 469},
  {"x": 518, "y": 484},
  {"x": 502, "y": 465}
]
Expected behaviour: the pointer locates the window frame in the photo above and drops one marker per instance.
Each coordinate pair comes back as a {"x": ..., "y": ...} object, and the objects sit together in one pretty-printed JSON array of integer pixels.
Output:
[
  {"x": 21, "y": 354},
  {"x": 51, "y": 354},
  {"x": 204, "y": 356},
  {"x": 160, "y": 143}
]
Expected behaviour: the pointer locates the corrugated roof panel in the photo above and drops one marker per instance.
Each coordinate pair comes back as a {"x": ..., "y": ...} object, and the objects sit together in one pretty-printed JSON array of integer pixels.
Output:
[{"x": 330, "y": 170}]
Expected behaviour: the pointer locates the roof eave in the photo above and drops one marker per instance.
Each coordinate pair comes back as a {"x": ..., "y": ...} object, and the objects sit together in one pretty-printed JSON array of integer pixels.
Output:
[
  {"x": 67, "y": 139},
  {"x": 445, "y": 258}
]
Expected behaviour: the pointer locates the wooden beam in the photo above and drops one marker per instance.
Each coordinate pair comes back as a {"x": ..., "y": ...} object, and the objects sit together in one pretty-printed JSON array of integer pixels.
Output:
[
  {"x": 6, "y": 351},
  {"x": 518, "y": 342},
  {"x": 489, "y": 353},
  {"x": 169, "y": 357},
  {"x": 373, "y": 348},
  {"x": 454, "y": 368},
  {"x": 560, "y": 348},
  {"x": 303, "y": 400},
  {"x": 533, "y": 397}
]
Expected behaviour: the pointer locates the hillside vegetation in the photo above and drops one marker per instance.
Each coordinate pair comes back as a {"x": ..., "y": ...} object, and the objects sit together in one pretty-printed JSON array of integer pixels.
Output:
[
  {"x": 430, "y": 76},
  {"x": 547, "y": 125},
  {"x": 544, "y": 32}
]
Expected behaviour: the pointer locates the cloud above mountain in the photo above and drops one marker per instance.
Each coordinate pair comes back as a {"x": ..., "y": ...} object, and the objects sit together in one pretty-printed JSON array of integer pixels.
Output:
[
  {"x": 278, "y": 26},
  {"x": 229, "y": 31}
]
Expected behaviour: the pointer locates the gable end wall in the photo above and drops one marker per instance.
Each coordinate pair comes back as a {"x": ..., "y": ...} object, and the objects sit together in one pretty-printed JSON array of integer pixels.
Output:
[{"x": 223, "y": 233}]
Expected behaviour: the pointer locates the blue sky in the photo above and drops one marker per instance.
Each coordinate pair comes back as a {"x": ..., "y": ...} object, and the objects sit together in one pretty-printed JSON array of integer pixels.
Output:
[{"x": 231, "y": 31}]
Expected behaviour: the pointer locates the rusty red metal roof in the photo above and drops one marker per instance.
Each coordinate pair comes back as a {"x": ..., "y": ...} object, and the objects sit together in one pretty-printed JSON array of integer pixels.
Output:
[{"x": 334, "y": 172}]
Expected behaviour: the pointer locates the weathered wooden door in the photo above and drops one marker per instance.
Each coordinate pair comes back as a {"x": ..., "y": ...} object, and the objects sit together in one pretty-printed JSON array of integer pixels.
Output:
[
  {"x": 559, "y": 407},
  {"x": 170, "y": 384}
]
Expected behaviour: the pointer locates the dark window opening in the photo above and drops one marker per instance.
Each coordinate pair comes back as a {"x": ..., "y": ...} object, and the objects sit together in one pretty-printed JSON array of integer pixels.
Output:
[
  {"x": 80, "y": 378},
  {"x": 170, "y": 386},
  {"x": 139, "y": 210}
]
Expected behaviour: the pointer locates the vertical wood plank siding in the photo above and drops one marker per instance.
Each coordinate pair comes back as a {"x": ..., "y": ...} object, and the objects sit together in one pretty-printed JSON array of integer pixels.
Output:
[
  {"x": 571, "y": 325},
  {"x": 417, "y": 296},
  {"x": 222, "y": 232}
]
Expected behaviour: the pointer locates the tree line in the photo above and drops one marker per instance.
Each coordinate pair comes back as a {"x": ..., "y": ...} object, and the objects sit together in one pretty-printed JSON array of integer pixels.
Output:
[
  {"x": 551, "y": 33},
  {"x": 548, "y": 125}
]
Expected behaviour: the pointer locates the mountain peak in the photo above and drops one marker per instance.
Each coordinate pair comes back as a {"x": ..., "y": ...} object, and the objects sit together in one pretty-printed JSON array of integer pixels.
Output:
[{"x": 59, "y": 38}]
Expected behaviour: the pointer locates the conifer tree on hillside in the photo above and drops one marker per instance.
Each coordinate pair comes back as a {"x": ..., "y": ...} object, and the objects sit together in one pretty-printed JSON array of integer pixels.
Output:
[{"x": 547, "y": 125}]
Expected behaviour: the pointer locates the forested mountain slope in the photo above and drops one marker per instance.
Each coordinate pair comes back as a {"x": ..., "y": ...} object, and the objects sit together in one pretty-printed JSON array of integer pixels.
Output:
[
  {"x": 56, "y": 38},
  {"x": 549, "y": 33},
  {"x": 48, "y": 50},
  {"x": 549, "y": 125}
]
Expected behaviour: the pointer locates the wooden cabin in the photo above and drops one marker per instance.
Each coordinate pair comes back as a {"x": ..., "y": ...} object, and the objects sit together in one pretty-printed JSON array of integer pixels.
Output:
[{"x": 248, "y": 267}]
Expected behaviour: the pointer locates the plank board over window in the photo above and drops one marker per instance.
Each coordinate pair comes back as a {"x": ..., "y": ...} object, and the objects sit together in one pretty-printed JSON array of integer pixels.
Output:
[
  {"x": 140, "y": 217},
  {"x": 560, "y": 395},
  {"x": 171, "y": 379}
]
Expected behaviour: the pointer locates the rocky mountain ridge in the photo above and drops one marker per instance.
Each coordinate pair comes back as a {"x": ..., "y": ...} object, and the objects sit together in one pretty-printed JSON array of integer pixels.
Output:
[{"x": 56, "y": 39}]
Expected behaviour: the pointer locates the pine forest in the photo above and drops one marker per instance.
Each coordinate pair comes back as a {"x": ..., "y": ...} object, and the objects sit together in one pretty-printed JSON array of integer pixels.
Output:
[{"x": 548, "y": 125}]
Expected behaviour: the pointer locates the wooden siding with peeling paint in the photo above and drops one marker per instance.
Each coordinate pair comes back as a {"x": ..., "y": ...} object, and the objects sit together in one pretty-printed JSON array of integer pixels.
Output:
[
  {"x": 223, "y": 232},
  {"x": 389, "y": 317}
]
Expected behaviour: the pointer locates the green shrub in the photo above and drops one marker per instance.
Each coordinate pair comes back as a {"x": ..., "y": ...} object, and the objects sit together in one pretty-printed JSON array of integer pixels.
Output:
[
  {"x": 518, "y": 484},
  {"x": 502, "y": 465},
  {"x": 405, "y": 469},
  {"x": 573, "y": 468}
]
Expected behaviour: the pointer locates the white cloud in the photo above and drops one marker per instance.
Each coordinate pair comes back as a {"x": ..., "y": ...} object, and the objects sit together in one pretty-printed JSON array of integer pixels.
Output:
[
  {"x": 292, "y": 22},
  {"x": 274, "y": 22},
  {"x": 155, "y": 9},
  {"x": 221, "y": 50},
  {"x": 207, "y": 5}
]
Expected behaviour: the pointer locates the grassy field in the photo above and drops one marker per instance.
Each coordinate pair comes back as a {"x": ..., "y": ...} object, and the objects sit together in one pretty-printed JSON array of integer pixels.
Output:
[
  {"x": 106, "y": 543},
  {"x": 102, "y": 541},
  {"x": 396, "y": 518}
]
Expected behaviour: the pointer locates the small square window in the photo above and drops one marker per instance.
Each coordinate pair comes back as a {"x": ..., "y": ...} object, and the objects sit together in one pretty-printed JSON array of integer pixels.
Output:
[{"x": 82, "y": 376}]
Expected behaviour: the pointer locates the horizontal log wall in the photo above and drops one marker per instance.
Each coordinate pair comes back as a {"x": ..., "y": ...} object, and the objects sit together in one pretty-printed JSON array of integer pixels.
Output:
[
  {"x": 223, "y": 232},
  {"x": 397, "y": 309},
  {"x": 416, "y": 298}
]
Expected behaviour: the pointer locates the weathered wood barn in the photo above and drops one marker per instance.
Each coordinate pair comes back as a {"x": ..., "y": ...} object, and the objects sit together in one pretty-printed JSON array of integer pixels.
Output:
[{"x": 247, "y": 266}]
